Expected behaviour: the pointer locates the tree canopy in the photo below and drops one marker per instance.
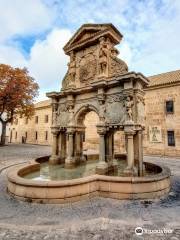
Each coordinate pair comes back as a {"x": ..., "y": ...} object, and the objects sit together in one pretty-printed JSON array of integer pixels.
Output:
[{"x": 17, "y": 93}]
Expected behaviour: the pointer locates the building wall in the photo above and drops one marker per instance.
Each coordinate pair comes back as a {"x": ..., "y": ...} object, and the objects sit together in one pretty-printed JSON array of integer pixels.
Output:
[
  {"x": 155, "y": 116},
  {"x": 21, "y": 127}
]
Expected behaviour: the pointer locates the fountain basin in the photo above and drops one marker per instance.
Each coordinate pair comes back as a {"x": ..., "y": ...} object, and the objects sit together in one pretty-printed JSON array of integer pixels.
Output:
[{"x": 62, "y": 191}]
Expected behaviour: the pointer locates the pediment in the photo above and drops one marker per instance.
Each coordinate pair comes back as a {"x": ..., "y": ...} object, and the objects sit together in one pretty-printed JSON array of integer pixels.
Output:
[{"x": 89, "y": 33}]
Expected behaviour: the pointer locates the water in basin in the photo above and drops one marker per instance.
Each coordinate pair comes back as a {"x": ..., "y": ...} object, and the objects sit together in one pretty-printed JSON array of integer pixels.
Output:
[
  {"x": 57, "y": 172},
  {"x": 49, "y": 172}
]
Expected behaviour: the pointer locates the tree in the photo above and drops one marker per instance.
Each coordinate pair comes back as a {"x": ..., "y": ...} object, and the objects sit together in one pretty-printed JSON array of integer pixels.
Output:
[{"x": 17, "y": 93}]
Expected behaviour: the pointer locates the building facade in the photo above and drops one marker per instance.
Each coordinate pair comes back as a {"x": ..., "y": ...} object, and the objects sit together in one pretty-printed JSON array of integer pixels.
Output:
[
  {"x": 35, "y": 130},
  {"x": 162, "y": 121},
  {"x": 162, "y": 113}
]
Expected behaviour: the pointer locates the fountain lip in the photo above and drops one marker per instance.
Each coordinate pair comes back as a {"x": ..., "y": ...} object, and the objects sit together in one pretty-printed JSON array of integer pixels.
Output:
[
  {"x": 15, "y": 175},
  {"x": 63, "y": 191}
]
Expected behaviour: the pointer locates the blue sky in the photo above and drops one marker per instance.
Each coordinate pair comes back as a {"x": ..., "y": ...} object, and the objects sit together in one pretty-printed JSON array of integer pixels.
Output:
[{"x": 33, "y": 33}]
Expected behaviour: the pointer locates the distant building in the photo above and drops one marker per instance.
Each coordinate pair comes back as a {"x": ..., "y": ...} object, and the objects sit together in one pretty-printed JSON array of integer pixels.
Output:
[
  {"x": 162, "y": 120},
  {"x": 35, "y": 130},
  {"x": 162, "y": 112}
]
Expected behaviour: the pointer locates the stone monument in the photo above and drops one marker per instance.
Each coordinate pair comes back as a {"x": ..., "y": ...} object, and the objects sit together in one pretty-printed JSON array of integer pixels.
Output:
[{"x": 97, "y": 80}]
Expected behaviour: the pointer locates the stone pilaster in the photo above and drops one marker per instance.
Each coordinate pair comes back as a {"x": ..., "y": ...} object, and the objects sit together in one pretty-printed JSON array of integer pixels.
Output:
[
  {"x": 140, "y": 151},
  {"x": 62, "y": 146},
  {"x": 102, "y": 166},
  {"x": 54, "y": 159},
  {"x": 110, "y": 149},
  {"x": 70, "y": 160},
  {"x": 129, "y": 133},
  {"x": 82, "y": 157}
]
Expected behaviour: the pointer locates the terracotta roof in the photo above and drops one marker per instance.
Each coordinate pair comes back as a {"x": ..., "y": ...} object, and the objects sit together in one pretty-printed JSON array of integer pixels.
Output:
[{"x": 164, "y": 78}]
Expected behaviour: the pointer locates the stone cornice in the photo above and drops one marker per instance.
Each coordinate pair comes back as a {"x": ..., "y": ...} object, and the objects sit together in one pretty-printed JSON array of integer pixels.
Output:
[
  {"x": 99, "y": 31},
  {"x": 101, "y": 83}
]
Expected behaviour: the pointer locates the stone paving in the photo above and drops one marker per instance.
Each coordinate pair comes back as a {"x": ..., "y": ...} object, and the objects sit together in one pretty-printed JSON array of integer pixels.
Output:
[{"x": 95, "y": 218}]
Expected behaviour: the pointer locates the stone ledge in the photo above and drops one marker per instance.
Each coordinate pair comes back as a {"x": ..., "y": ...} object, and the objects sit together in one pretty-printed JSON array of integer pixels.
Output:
[{"x": 77, "y": 189}]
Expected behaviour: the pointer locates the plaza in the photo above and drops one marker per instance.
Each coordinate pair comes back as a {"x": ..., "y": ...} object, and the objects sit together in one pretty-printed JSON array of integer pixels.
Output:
[
  {"x": 90, "y": 120},
  {"x": 94, "y": 218}
]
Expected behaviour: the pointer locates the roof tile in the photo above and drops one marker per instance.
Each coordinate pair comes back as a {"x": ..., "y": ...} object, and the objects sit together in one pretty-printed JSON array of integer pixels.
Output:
[{"x": 164, "y": 78}]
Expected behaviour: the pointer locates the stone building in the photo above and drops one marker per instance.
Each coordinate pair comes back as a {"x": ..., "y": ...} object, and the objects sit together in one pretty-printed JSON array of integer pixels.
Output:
[
  {"x": 35, "y": 130},
  {"x": 162, "y": 119},
  {"x": 162, "y": 113}
]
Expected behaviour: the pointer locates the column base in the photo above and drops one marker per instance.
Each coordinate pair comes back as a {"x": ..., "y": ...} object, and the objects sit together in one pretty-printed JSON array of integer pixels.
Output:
[
  {"x": 80, "y": 160},
  {"x": 131, "y": 171},
  {"x": 102, "y": 168},
  {"x": 115, "y": 165},
  {"x": 83, "y": 159},
  {"x": 70, "y": 163},
  {"x": 54, "y": 159}
]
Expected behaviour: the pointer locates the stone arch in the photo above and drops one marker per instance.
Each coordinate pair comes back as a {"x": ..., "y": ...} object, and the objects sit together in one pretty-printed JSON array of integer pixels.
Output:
[{"x": 82, "y": 111}]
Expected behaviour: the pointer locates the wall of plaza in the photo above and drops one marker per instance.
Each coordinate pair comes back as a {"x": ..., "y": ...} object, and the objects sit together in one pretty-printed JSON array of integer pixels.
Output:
[
  {"x": 36, "y": 130},
  {"x": 162, "y": 121},
  {"x": 166, "y": 122}
]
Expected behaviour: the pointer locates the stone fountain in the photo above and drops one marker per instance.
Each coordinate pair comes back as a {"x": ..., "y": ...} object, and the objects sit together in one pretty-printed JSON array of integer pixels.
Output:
[{"x": 96, "y": 80}]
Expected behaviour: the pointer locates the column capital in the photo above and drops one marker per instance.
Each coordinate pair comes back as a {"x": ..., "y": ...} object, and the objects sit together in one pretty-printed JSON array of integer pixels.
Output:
[
  {"x": 54, "y": 130},
  {"x": 70, "y": 130},
  {"x": 129, "y": 133},
  {"x": 101, "y": 130}
]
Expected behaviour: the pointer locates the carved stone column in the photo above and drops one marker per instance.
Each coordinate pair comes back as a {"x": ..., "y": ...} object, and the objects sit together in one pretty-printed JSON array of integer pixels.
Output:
[
  {"x": 82, "y": 157},
  {"x": 109, "y": 147},
  {"x": 62, "y": 146},
  {"x": 102, "y": 166},
  {"x": 78, "y": 146},
  {"x": 70, "y": 161},
  {"x": 129, "y": 133},
  {"x": 140, "y": 150},
  {"x": 54, "y": 159},
  {"x": 112, "y": 163}
]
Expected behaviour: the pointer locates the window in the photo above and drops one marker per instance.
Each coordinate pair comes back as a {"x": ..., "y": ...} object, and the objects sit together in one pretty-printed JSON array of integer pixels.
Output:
[
  {"x": 36, "y": 135},
  {"x": 26, "y": 120},
  {"x": 46, "y": 118},
  {"x": 169, "y": 106},
  {"x": 46, "y": 135},
  {"x": 36, "y": 119},
  {"x": 171, "y": 139},
  {"x": 26, "y": 135},
  {"x": 16, "y": 135}
]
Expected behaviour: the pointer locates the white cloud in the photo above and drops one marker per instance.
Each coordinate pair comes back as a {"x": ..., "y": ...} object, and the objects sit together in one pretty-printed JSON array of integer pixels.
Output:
[
  {"x": 150, "y": 29},
  {"x": 125, "y": 52},
  {"x": 19, "y": 17},
  {"x": 159, "y": 49},
  {"x": 12, "y": 56},
  {"x": 47, "y": 62}
]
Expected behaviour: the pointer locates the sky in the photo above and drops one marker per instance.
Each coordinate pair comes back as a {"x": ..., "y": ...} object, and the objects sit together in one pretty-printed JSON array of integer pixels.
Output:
[{"x": 33, "y": 33}]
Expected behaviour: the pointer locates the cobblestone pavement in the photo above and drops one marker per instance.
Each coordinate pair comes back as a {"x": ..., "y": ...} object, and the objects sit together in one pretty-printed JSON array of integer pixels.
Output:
[{"x": 95, "y": 218}]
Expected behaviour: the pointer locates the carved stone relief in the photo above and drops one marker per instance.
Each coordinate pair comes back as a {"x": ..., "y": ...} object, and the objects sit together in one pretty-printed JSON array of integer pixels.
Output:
[
  {"x": 155, "y": 134},
  {"x": 128, "y": 103},
  {"x": 117, "y": 66},
  {"x": 140, "y": 109},
  {"x": 72, "y": 70},
  {"x": 63, "y": 115},
  {"x": 103, "y": 56},
  {"x": 54, "y": 114},
  {"x": 87, "y": 68},
  {"x": 115, "y": 111}
]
